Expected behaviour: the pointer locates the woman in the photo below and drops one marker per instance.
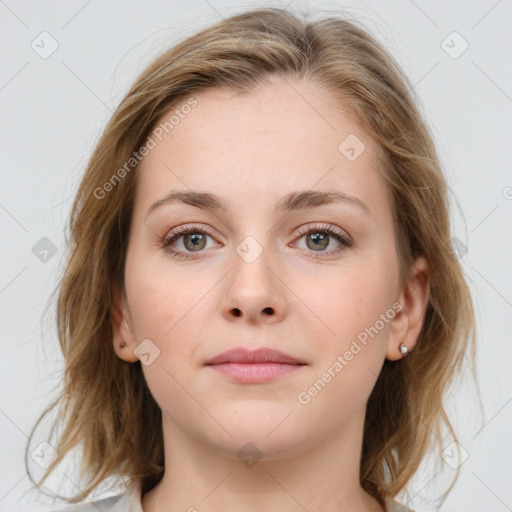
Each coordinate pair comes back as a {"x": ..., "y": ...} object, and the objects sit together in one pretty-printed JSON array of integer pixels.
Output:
[{"x": 261, "y": 307}]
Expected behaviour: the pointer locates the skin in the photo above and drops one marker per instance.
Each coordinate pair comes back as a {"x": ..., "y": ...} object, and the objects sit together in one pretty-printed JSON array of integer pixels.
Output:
[{"x": 252, "y": 150}]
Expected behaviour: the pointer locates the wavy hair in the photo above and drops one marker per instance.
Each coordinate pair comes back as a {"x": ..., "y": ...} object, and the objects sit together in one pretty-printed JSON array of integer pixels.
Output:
[{"x": 106, "y": 408}]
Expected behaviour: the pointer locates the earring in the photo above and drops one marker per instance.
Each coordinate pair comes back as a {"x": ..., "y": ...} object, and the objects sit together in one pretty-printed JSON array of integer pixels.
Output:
[
  {"x": 404, "y": 349},
  {"x": 122, "y": 344}
]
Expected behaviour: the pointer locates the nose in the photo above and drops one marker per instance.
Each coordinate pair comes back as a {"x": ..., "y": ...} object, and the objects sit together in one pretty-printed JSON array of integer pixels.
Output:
[{"x": 254, "y": 293}]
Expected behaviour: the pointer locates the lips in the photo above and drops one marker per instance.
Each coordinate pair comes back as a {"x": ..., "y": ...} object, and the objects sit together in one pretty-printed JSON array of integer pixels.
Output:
[
  {"x": 260, "y": 355},
  {"x": 258, "y": 366}
]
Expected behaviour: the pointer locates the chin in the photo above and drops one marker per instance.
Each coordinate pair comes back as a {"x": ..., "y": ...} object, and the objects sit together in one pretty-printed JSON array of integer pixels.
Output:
[
  {"x": 249, "y": 445},
  {"x": 272, "y": 433}
]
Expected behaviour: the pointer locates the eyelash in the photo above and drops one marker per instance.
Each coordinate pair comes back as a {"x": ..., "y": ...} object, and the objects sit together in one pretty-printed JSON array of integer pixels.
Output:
[{"x": 305, "y": 230}]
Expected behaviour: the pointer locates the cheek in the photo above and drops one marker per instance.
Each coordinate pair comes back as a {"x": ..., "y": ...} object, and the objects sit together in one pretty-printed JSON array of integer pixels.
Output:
[
  {"x": 157, "y": 298},
  {"x": 164, "y": 313},
  {"x": 357, "y": 306},
  {"x": 153, "y": 307},
  {"x": 167, "y": 308},
  {"x": 349, "y": 309},
  {"x": 352, "y": 297}
]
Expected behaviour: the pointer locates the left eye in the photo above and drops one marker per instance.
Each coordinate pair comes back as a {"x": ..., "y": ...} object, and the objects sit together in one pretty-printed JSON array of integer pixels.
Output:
[{"x": 319, "y": 239}]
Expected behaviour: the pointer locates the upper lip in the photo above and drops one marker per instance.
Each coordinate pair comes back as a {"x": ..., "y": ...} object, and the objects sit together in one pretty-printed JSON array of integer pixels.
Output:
[{"x": 260, "y": 355}]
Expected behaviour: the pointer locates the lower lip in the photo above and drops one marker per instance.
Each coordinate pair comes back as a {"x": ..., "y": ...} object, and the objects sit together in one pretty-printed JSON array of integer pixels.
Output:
[{"x": 255, "y": 372}]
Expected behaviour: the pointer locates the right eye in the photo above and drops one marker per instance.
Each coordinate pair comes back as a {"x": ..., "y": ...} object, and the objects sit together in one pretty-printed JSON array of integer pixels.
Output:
[{"x": 191, "y": 239}]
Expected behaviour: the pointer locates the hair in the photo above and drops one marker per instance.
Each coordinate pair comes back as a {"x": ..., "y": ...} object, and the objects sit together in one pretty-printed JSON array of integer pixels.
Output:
[{"x": 106, "y": 406}]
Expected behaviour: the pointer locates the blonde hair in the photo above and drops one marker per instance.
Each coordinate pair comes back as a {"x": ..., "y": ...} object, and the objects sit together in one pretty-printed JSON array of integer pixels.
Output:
[{"x": 106, "y": 406}]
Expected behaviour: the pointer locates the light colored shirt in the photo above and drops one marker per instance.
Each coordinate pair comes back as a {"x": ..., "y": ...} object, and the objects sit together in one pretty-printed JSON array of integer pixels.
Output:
[{"x": 130, "y": 501}]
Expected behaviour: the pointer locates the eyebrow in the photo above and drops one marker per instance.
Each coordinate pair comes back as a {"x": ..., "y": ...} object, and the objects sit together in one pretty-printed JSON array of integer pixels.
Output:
[{"x": 300, "y": 200}]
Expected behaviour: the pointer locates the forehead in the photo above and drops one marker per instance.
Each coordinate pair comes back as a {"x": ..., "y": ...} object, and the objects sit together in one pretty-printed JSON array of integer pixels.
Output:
[{"x": 284, "y": 135}]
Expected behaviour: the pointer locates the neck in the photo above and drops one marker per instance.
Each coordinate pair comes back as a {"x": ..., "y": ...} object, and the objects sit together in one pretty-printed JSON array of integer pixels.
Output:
[{"x": 199, "y": 477}]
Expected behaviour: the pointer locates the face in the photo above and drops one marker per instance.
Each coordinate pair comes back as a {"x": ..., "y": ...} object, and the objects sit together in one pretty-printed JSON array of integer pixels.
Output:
[{"x": 261, "y": 266}]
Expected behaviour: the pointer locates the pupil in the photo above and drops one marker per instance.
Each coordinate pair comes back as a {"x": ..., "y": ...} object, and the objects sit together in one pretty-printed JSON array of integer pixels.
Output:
[
  {"x": 320, "y": 240},
  {"x": 194, "y": 241}
]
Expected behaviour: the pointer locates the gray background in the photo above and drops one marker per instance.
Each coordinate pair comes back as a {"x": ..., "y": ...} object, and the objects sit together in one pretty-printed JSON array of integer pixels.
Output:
[{"x": 53, "y": 110}]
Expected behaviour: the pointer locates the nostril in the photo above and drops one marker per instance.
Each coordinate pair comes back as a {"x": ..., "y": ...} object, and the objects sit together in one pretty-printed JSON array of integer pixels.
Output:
[
  {"x": 237, "y": 312},
  {"x": 268, "y": 311}
]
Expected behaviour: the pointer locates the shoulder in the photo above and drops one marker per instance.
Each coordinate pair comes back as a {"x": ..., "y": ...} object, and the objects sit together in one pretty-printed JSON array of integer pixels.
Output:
[
  {"x": 129, "y": 501},
  {"x": 394, "y": 506},
  {"x": 105, "y": 505}
]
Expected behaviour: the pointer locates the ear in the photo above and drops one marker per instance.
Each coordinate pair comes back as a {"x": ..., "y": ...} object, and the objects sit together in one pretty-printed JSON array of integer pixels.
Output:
[
  {"x": 122, "y": 329},
  {"x": 413, "y": 298}
]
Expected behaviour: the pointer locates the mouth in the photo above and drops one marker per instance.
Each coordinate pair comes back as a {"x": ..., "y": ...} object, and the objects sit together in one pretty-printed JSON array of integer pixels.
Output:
[{"x": 254, "y": 366}]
